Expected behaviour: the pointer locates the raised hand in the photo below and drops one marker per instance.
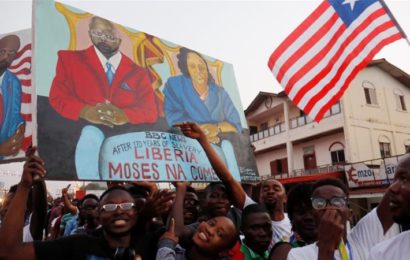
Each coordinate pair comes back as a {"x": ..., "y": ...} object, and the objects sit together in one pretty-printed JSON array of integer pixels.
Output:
[
  {"x": 170, "y": 233},
  {"x": 192, "y": 130},
  {"x": 158, "y": 204},
  {"x": 33, "y": 167},
  {"x": 331, "y": 230}
]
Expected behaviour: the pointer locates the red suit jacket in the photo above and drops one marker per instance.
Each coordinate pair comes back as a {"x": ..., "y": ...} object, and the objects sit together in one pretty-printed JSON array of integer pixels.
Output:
[{"x": 80, "y": 80}]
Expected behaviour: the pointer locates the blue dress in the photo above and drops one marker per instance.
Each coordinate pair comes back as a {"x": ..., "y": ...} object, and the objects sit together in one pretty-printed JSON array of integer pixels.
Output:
[{"x": 182, "y": 104}]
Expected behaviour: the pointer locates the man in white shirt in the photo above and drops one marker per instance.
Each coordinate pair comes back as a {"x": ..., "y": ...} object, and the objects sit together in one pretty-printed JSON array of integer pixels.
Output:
[
  {"x": 330, "y": 202},
  {"x": 273, "y": 196},
  {"x": 399, "y": 193}
]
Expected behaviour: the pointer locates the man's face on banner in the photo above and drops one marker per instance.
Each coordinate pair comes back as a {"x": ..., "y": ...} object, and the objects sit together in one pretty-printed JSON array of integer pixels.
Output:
[
  {"x": 9, "y": 46},
  {"x": 104, "y": 36}
]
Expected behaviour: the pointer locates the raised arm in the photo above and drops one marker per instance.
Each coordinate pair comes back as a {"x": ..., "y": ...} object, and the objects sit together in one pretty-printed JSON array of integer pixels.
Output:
[
  {"x": 39, "y": 212},
  {"x": 11, "y": 231},
  {"x": 67, "y": 203},
  {"x": 235, "y": 189},
  {"x": 177, "y": 211}
]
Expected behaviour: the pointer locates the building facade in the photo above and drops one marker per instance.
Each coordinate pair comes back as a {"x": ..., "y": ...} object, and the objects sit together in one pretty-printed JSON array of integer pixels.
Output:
[{"x": 370, "y": 123}]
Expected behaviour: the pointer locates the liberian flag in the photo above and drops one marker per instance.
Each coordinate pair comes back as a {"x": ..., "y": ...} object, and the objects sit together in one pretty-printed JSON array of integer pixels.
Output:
[
  {"x": 316, "y": 62},
  {"x": 21, "y": 67}
]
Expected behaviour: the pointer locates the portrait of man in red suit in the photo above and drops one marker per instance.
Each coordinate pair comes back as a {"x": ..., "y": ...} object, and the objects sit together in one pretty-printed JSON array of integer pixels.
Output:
[
  {"x": 100, "y": 84},
  {"x": 96, "y": 87}
]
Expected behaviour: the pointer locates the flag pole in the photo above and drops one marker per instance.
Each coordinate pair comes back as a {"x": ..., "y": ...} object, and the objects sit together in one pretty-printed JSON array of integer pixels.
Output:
[{"x": 395, "y": 21}]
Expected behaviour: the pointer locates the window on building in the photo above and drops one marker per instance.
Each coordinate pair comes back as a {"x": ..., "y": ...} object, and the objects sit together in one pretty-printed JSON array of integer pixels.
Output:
[
  {"x": 385, "y": 149},
  {"x": 369, "y": 93},
  {"x": 337, "y": 153},
  {"x": 253, "y": 130},
  {"x": 400, "y": 102},
  {"x": 338, "y": 156},
  {"x": 406, "y": 148}
]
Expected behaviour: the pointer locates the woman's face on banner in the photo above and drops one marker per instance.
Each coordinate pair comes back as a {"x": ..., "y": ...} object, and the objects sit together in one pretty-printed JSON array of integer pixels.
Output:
[{"x": 197, "y": 68}]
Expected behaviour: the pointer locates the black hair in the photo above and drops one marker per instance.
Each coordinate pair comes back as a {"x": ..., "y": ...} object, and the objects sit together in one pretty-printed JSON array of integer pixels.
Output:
[
  {"x": 190, "y": 189},
  {"x": 211, "y": 186},
  {"x": 89, "y": 196},
  {"x": 137, "y": 191},
  {"x": 183, "y": 63},
  {"x": 298, "y": 195},
  {"x": 332, "y": 182},
  {"x": 251, "y": 209},
  {"x": 113, "y": 189}
]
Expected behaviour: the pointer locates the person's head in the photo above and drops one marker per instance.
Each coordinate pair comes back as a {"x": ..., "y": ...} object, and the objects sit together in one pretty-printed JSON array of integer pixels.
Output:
[
  {"x": 191, "y": 206},
  {"x": 117, "y": 212},
  {"x": 272, "y": 194},
  {"x": 330, "y": 194},
  {"x": 193, "y": 65},
  {"x": 300, "y": 212},
  {"x": 88, "y": 207},
  {"x": 215, "y": 235},
  {"x": 139, "y": 193},
  {"x": 104, "y": 36},
  {"x": 399, "y": 192},
  {"x": 9, "y": 45},
  {"x": 256, "y": 226},
  {"x": 216, "y": 200}
]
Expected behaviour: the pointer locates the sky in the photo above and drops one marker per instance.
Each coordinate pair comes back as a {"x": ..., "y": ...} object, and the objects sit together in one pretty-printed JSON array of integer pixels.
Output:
[{"x": 243, "y": 33}]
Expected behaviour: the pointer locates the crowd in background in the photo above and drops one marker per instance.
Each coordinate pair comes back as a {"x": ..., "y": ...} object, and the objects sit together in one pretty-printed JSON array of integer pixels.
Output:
[{"x": 140, "y": 221}]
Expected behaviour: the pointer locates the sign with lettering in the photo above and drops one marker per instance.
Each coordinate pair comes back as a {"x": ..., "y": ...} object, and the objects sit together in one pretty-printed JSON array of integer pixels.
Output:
[
  {"x": 361, "y": 174},
  {"x": 109, "y": 97}
]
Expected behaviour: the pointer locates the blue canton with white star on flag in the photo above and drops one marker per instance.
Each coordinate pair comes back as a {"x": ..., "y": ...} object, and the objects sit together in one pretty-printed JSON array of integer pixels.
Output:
[{"x": 344, "y": 8}]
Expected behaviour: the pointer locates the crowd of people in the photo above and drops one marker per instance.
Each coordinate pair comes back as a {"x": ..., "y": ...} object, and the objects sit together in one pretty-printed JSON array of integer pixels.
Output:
[{"x": 140, "y": 221}]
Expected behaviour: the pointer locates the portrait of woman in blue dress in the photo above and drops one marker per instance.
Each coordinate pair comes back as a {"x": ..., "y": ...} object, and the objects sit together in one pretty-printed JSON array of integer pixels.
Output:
[{"x": 195, "y": 97}]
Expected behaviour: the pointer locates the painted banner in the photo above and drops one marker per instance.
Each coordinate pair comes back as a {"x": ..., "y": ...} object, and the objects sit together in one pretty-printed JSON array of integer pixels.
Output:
[
  {"x": 15, "y": 94},
  {"x": 109, "y": 96},
  {"x": 367, "y": 174}
]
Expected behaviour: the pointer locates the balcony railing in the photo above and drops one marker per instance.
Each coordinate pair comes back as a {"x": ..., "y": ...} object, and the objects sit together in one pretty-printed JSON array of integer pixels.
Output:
[
  {"x": 274, "y": 130},
  {"x": 294, "y": 123},
  {"x": 304, "y": 120},
  {"x": 328, "y": 168}
]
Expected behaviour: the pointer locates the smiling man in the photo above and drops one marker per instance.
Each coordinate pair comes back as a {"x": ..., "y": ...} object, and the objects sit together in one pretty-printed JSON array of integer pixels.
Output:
[
  {"x": 399, "y": 194},
  {"x": 100, "y": 84},
  {"x": 117, "y": 216}
]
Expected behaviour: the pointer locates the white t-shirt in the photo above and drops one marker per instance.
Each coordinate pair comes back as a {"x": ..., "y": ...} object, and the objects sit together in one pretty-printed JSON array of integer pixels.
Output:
[
  {"x": 367, "y": 233},
  {"x": 396, "y": 248},
  {"x": 281, "y": 230},
  {"x": 27, "y": 237}
]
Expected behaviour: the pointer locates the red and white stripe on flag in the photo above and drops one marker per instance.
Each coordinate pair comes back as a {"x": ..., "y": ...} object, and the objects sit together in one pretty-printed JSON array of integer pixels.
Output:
[
  {"x": 317, "y": 61},
  {"x": 21, "y": 67}
]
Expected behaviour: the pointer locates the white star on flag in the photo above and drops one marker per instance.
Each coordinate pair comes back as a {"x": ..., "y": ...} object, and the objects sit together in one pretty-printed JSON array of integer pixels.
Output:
[{"x": 350, "y": 2}]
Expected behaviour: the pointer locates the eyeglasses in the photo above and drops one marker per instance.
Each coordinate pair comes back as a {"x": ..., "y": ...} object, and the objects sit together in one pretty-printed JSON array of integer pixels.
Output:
[
  {"x": 8, "y": 52},
  {"x": 100, "y": 34},
  {"x": 113, "y": 207},
  {"x": 190, "y": 202},
  {"x": 87, "y": 207},
  {"x": 321, "y": 203}
]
